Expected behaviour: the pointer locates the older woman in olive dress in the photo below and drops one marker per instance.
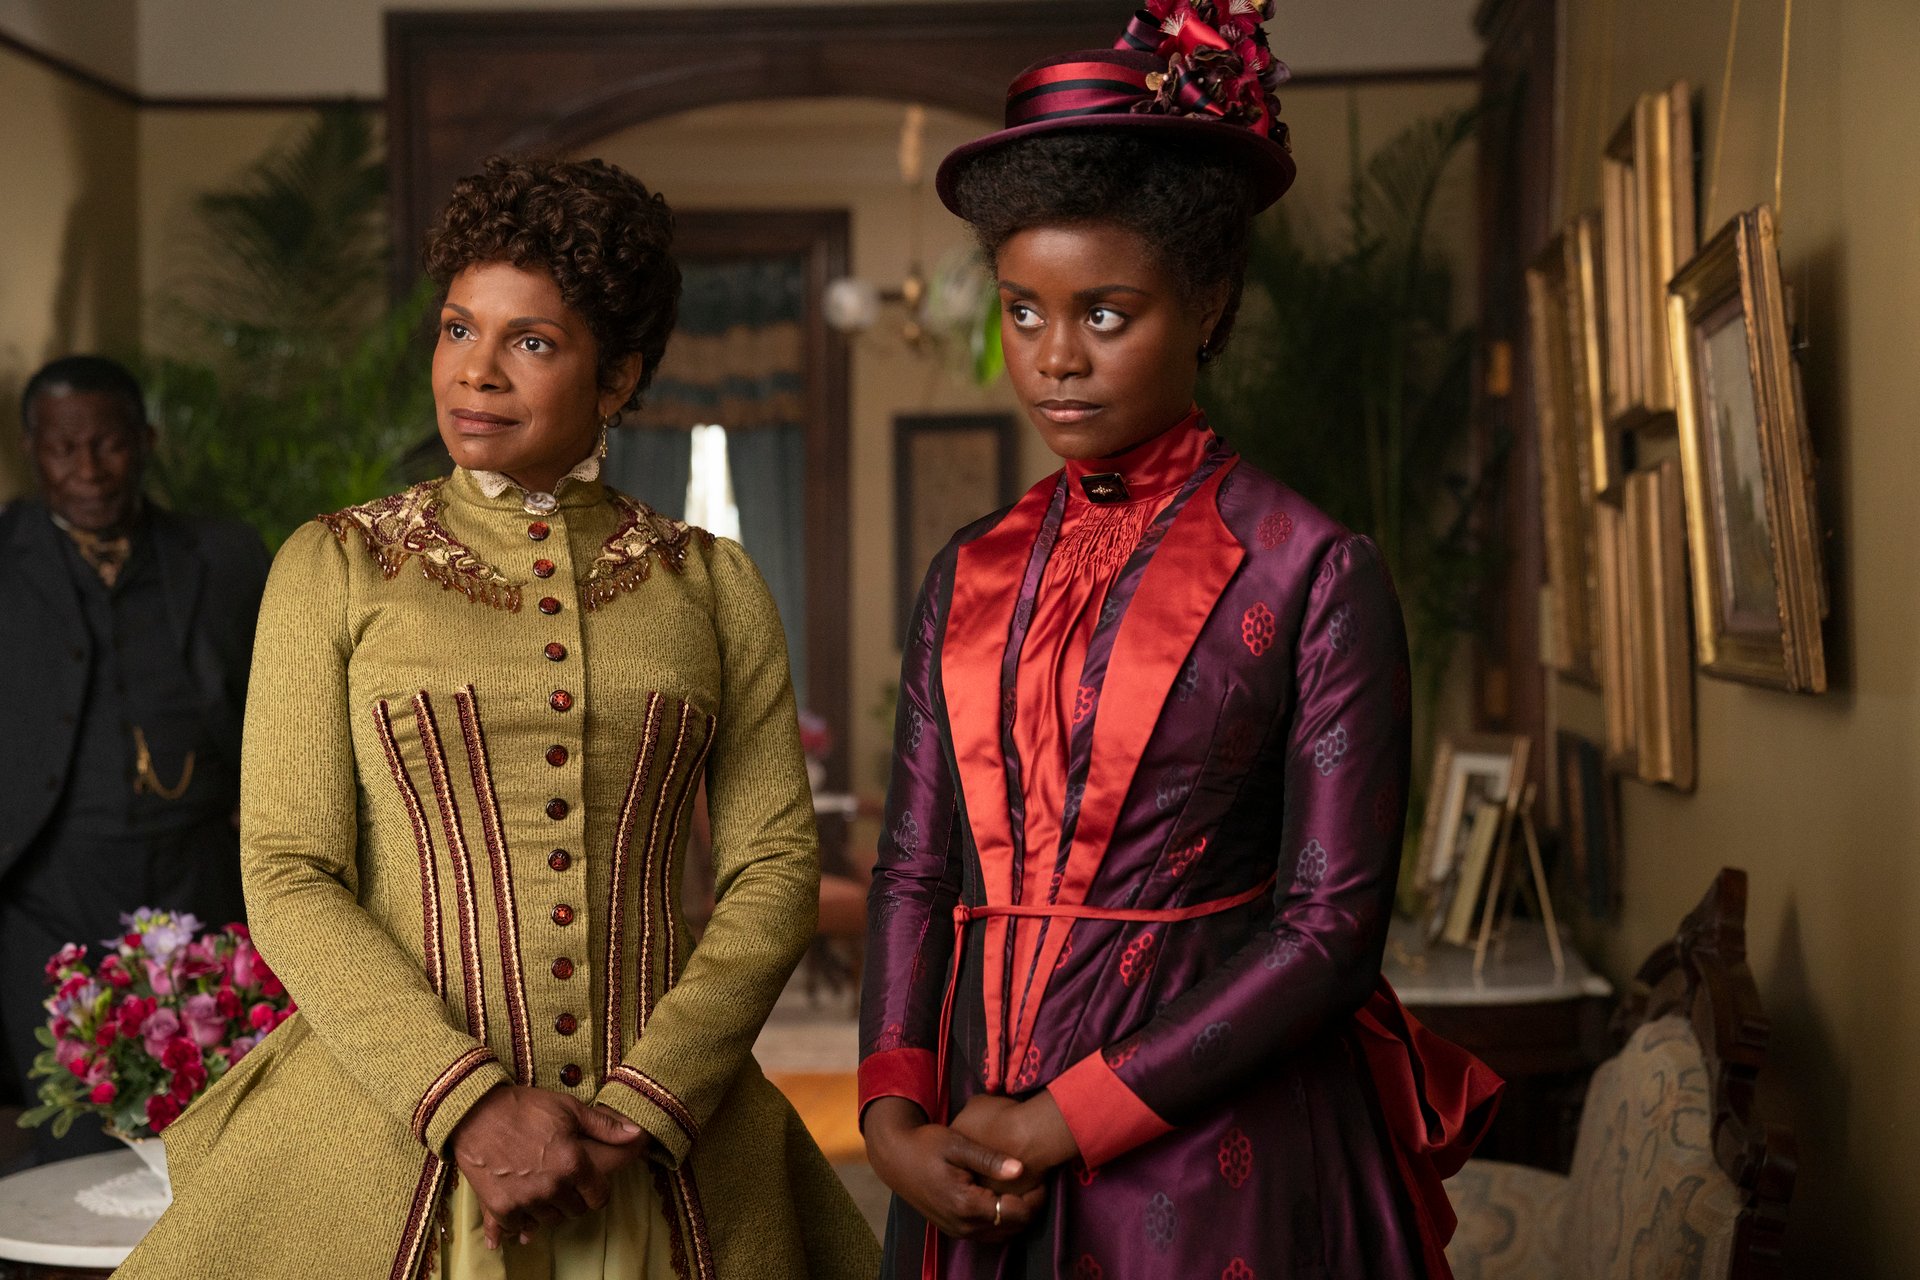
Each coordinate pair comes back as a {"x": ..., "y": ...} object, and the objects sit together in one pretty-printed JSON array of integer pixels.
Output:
[{"x": 480, "y": 711}]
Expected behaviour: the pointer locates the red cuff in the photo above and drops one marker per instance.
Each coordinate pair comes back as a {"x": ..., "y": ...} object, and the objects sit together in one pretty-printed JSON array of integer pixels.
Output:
[
  {"x": 900, "y": 1073},
  {"x": 1106, "y": 1118}
]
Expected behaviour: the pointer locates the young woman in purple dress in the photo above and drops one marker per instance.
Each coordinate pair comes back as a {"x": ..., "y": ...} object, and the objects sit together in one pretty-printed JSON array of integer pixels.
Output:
[{"x": 1124, "y": 1014}]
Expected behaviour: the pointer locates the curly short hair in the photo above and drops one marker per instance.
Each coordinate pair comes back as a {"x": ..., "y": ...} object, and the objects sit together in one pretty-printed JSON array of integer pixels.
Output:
[
  {"x": 1191, "y": 204},
  {"x": 593, "y": 226}
]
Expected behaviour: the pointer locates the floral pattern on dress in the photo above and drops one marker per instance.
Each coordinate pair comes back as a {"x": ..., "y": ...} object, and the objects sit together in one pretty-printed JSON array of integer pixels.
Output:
[{"x": 1329, "y": 749}]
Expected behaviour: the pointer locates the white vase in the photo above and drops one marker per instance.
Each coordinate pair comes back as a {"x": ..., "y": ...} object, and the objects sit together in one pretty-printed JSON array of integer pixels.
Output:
[{"x": 152, "y": 1153}]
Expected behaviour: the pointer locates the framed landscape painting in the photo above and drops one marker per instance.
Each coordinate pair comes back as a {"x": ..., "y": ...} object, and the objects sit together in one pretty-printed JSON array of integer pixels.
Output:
[{"x": 1759, "y": 587}]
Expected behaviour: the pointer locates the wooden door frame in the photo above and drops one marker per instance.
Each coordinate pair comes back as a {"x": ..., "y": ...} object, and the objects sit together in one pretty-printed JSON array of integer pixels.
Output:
[{"x": 1516, "y": 210}]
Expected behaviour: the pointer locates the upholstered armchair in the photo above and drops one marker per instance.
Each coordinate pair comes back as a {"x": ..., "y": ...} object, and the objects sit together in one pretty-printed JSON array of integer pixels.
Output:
[{"x": 1674, "y": 1177}]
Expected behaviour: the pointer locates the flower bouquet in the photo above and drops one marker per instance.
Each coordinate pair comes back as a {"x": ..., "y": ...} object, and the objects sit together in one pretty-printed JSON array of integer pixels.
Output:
[{"x": 165, "y": 1013}]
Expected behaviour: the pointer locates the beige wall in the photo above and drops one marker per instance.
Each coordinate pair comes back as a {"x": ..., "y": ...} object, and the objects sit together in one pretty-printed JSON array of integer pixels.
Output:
[
  {"x": 183, "y": 155},
  {"x": 1815, "y": 797},
  {"x": 250, "y": 48},
  {"x": 69, "y": 244}
]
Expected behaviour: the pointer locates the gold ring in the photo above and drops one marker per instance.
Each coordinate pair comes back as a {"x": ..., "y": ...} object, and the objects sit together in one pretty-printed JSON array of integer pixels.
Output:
[{"x": 996, "y": 1211}]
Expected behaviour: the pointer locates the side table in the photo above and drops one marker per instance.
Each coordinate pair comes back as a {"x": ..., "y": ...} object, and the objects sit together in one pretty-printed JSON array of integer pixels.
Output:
[
  {"x": 1543, "y": 1034},
  {"x": 45, "y": 1234}
]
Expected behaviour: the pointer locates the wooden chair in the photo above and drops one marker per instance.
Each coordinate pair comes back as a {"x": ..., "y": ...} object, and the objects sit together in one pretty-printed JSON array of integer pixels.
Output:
[{"x": 1674, "y": 1175}]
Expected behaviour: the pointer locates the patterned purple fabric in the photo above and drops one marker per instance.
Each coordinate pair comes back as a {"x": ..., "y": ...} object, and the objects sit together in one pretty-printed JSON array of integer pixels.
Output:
[{"x": 1281, "y": 748}]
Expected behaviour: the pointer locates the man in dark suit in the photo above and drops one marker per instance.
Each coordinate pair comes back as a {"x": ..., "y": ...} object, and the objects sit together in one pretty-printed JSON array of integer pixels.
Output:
[{"x": 126, "y": 632}]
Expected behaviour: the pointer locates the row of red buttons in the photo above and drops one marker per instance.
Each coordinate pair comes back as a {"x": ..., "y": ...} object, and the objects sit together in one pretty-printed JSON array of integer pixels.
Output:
[{"x": 557, "y": 809}]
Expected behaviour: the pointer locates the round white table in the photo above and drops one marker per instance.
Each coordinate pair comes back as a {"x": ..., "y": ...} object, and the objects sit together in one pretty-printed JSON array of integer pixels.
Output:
[{"x": 42, "y": 1223}]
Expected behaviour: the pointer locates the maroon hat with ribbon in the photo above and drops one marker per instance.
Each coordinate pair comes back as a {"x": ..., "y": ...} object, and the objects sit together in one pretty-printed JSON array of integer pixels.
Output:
[{"x": 1194, "y": 71}]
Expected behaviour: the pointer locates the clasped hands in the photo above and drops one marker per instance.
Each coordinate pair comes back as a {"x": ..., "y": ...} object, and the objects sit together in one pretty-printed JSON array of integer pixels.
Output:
[
  {"x": 980, "y": 1177},
  {"x": 535, "y": 1158}
]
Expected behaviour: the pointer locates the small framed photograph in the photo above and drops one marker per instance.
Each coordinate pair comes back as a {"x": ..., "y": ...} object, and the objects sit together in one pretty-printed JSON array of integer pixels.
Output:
[
  {"x": 949, "y": 470},
  {"x": 1759, "y": 585},
  {"x": 1659, "y": 650},
  {"x": 1648, "y": 230},
  {"x": 1469, "y": 770},
  {"x": 1566, "y": 487},
  {"x": 1589, "y": 824}
]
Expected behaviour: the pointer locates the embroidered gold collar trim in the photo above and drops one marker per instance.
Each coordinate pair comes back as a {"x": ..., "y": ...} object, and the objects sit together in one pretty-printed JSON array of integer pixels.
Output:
[{"x": 406, "y": 526}]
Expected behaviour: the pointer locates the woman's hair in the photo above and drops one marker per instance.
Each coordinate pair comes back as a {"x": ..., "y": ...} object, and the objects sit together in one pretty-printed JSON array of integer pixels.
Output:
[
  {"x": 595, "y": 228},
  {"x": 1191, "y": 204}
]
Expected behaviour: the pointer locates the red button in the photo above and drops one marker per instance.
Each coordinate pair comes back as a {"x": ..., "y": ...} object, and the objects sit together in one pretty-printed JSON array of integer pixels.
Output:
[
  {"x": 559, "y": 859},
  {"x": 538, "y": 530},
  {"x": 543, "y": 568},
  {"x": 566, "y": 1024},
  {"x": 556, "y": 652},
  {"x": 563, "y": 968},
  {"x": 570, "y": 1075},
  {"x": 563, "y": 915},
  {"x": 556, "y": 809},
  {"x": 560, "y": 700},
  {"x": 556, "y": 755},
  {"x": 548, "y": 605}
]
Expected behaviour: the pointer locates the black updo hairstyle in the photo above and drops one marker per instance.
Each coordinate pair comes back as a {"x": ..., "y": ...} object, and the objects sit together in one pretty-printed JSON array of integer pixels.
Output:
[
  {"x": 592, "y": 226},
  {"x": 1191, "y": 204}
]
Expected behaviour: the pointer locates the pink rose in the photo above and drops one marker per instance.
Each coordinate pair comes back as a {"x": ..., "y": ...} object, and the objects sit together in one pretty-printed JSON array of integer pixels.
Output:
[
  {"x": 104, "y": 1036},
  {"x": 260, "y": 1017},
  {"x": 246, "y": 966},
  {"x": 159, "y": 977},
  {"x": 159, "y": 1029},
  {"x": 227, "y": 1000},
  {"x": 238, "y": 1049},
  {"x": 104, "y": 1093},
  {"x": 204, "y": 1021},
  {"x": 62, "y": 1027}
]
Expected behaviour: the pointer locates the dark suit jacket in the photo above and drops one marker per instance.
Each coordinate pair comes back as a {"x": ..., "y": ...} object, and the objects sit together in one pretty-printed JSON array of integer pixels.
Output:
[{"x": 215, "y": 571}]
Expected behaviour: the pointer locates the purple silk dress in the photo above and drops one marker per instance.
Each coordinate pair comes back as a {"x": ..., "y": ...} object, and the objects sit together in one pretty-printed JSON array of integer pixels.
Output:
[{"x": 1223, "y": 718}]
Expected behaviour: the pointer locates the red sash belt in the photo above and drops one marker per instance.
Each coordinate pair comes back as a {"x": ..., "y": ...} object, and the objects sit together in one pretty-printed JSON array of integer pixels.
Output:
[
  {"x": 1436, "y": 1098},
  {"x": 964, "y": 915}
]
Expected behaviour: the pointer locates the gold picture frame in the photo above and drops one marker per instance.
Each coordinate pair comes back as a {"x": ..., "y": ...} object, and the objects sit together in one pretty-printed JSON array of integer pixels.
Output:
[
  {"x": 1466, "y": 769},
  {"x": 1648, "y": 230},
  {"x": 1566, "y": 485},
  {"x": 1587, "y": 334},
  {"x": 1619, "y": 706},
  {"x": 1653, "y": 559},
  {"x": 1759, "y": 586}
]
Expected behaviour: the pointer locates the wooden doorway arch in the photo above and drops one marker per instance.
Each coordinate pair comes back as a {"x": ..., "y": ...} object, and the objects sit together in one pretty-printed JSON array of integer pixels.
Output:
[{"x": 462, "y": 86}]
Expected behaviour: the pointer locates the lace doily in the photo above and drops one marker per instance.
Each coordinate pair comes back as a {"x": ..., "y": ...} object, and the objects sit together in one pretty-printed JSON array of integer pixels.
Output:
[{"x": 139, "y": 1194}]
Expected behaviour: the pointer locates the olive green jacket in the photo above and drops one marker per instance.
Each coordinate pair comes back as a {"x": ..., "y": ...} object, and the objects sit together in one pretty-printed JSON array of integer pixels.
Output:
[{"x": 473, "y": 736}]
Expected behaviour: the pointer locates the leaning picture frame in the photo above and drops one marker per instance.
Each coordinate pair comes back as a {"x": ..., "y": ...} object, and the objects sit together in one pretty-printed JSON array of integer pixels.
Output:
[
  {"x": 1587, "y": 335},
  {"x": 1618, "y": 702},
  {"x": 1566, "y": 487},
  {"x": 1759, "y": 588},
  {"x": 1648, "y": 229},
  {"x": 1468, "y": 769},
  {"x": 1659, "y": 650}
]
